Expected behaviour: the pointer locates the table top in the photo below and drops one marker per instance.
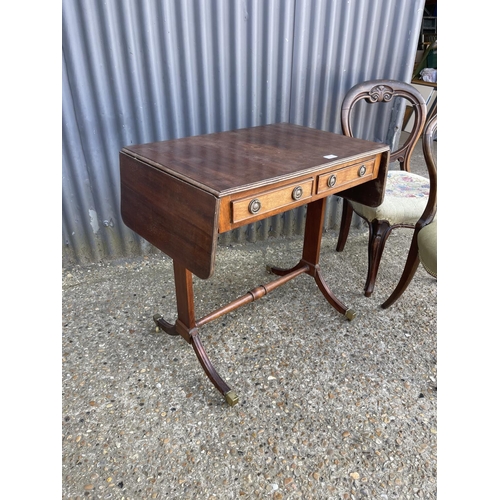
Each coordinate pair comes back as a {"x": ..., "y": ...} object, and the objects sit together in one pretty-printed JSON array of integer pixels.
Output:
[
  {"x": 181, "y": 193},
  {"x": 223, "y": 163}
]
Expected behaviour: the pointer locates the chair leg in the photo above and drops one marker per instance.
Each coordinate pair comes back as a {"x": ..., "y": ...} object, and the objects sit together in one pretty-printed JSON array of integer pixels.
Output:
[
  {"x": 345, "y": 224},
  {"x": 379, "y": 232},
  {"x": 409, "y": 270}
]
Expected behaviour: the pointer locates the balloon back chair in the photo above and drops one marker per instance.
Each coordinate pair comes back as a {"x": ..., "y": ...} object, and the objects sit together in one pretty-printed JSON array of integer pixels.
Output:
[
  {"x": 405, "y": 192},
  {"x": 423, "y": 247}
]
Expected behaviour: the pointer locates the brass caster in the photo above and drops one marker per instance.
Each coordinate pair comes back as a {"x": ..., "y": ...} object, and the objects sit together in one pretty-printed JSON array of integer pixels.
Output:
[
  {"x": 269, "y": 269},
  {"x": 157, "y": 318},
  {"x": 231, "y": 398},
  {"x": 350, "y": 314}
]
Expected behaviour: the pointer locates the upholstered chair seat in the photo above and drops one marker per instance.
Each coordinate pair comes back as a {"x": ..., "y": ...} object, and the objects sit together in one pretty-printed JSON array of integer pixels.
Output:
[{"x": 405, "y": 198}]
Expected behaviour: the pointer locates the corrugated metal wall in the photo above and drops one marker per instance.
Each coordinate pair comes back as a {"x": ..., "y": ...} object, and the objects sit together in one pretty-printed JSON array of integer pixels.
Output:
[{"x": 137, "y": 71}]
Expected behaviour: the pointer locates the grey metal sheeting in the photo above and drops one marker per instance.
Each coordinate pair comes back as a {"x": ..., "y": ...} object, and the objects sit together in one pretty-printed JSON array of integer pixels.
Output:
[{"x": 143, "y": 71}]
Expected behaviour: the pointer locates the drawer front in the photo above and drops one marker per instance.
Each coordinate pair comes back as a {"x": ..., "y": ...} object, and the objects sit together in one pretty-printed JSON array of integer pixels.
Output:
[
  {"x": 274, "y": 199},
  {"x": 337, "y": 180}
]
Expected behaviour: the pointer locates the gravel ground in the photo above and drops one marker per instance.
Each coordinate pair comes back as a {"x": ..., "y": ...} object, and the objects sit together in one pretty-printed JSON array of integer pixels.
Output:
[{"x": 329, "y": 409}]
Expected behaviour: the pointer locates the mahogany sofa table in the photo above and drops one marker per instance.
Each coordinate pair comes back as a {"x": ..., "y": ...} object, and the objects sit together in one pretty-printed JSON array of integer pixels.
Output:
[{"x": 180, "y": 194}]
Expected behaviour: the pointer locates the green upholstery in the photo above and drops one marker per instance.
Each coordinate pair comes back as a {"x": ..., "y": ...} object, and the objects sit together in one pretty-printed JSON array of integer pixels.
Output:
[{"x": 427, "y": 247}]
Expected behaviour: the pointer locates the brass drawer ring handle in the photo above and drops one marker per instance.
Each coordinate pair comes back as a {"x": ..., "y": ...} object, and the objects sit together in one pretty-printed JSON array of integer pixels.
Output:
[
  {"x": 362, "y": 171},
  {"x": 332, "y": 180},
  {"x": 297, "y": 193},
  {"x": 254, "y": 206}
]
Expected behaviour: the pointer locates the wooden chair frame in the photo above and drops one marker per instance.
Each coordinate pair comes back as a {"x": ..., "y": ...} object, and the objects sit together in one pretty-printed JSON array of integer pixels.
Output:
[
  {"x": 428, "y": 215},
  {"x": 377, "y": 91}
]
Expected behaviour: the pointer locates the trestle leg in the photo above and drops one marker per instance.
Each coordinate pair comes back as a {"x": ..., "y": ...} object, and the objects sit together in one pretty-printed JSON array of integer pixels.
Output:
[
  {"x": 310, "y": 256},
  {"x": 187, "y": 326}
]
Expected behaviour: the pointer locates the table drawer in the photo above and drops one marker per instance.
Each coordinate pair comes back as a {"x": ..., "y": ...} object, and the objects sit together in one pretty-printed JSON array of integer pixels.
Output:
[
  {"x": 346, "y": 177},
  {"x": 270, "y": 200}
]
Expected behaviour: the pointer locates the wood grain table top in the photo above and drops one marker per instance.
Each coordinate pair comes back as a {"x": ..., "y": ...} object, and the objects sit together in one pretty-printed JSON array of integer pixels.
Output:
[{"x": 227, "y": 162}]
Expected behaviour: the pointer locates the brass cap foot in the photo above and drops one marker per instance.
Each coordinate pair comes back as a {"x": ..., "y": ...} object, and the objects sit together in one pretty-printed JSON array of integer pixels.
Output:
[
  {"x": 231, "y": 398},
  {"x": 156, "y": 319},
  {"x": 350, "y": 314}
]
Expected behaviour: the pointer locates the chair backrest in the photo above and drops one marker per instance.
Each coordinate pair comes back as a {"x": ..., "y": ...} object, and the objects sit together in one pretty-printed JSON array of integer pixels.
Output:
[
  {"x": 381, "y": 91},
  {"x": 427, "y": 140}
]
